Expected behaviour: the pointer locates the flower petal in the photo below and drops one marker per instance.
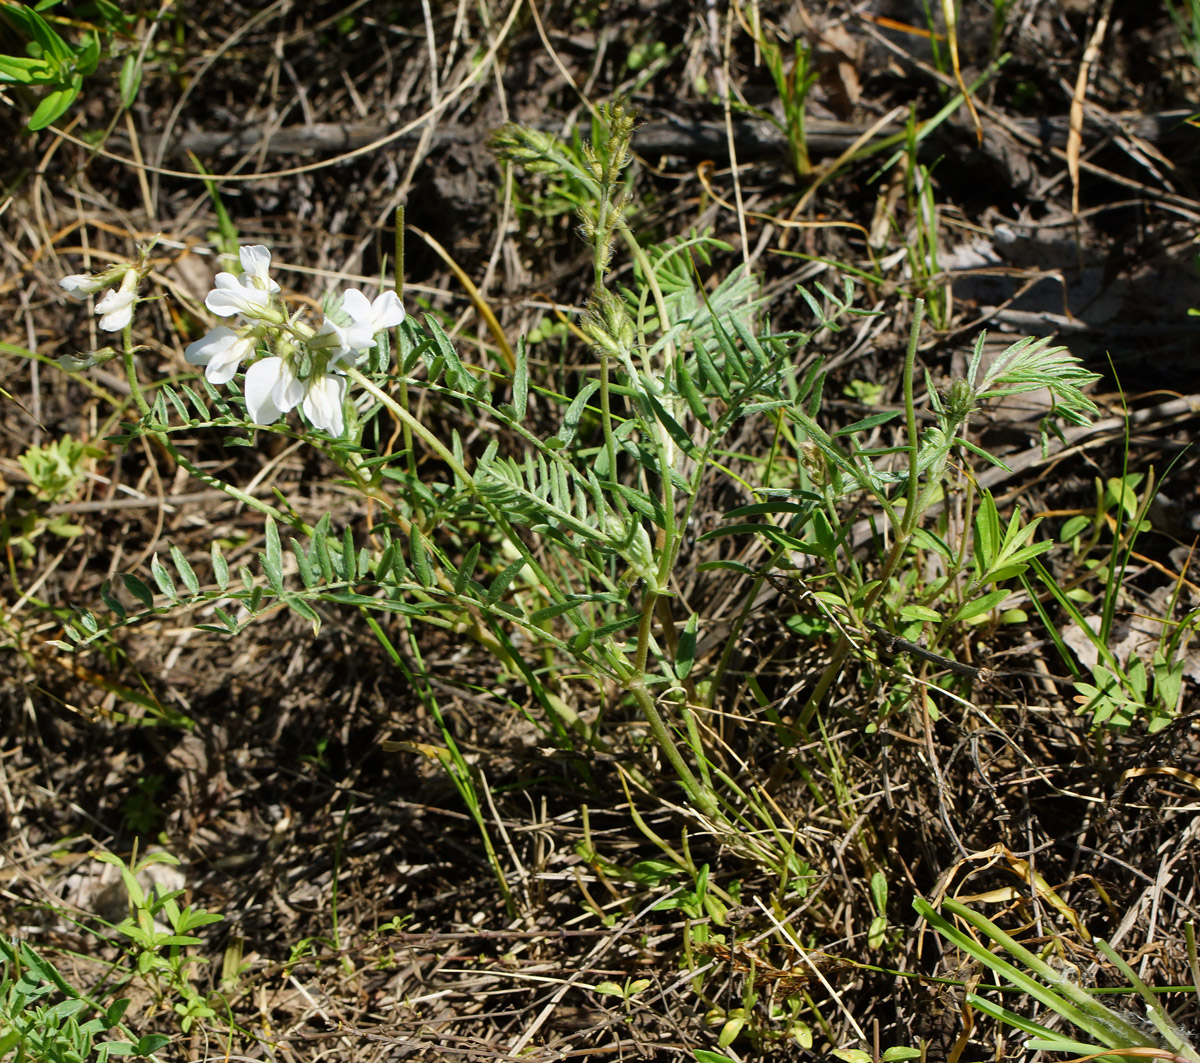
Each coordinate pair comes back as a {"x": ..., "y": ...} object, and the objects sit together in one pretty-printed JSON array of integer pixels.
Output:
[
  {"x": 335, "y": 339},
  {"x": 323, "y": 403},
  {"x": 116, "y": 309},
  {"x": 357, "y": 305},
  {"x": 209, "y": 346},
  {"x": 80, "y": 285},
  {"x": 223, "y": 351},
  {"x": 225, "y": 301},
  {"x": 387, "y": 310},
  {"x": 261, "y": 379},
  {"x": 256, "y": 260},
  {"x": 288, "y": 391}
]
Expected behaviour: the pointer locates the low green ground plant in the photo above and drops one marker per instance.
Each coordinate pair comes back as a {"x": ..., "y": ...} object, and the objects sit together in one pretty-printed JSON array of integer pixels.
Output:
[{"x": 555, "y": 546}]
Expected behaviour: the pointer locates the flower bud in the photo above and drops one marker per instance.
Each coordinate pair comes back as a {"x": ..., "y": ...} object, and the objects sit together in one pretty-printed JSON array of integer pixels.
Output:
[
  {"x": 608, "y": 324},
  {"x": 534, "y": 150}
]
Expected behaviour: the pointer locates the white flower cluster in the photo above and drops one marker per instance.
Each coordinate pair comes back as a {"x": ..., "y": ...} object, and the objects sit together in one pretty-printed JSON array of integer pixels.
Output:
[
  {"x": 116, "y": 307},
  {"x": 303, "y": 366}
]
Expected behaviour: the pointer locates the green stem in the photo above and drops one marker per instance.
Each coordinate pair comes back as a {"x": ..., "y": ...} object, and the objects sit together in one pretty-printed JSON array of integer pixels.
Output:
[
  {"x": 909, "y": 523},
  {"x": 409, "y": 421},
  {"x": 610, "y": 440},
  {"x": 497, "y": 515},
  {"x": 700, "y": 796},
  {"x": 181, "y": 459},
  {"x": 902, "y": 534}
]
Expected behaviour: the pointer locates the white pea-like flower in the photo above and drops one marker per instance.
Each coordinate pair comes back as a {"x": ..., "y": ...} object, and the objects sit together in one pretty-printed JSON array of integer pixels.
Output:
[
  {"x": 385, "y": 312},
  {"x": 308, "y": 370},
  {"x": 256, "y": 260},
  {"x": 80, "y": 285},
  {"x": 338, "y": 342},
  {"x": 221, "y": 351},
  {"x": 248, "y": 295},
  {"x": 272, "y": 389},
  {"x": 116, "y": 309}
]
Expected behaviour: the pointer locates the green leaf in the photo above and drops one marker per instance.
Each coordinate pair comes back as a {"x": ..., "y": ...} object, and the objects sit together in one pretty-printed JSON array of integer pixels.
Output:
[
  {"x": 190, "y": 919},
  {"x": 879, "y": 892},
  {"x": 981, "y": 605},
  {"x": 53, "y": 105},
  {"x": 712, "y": 374},
  {"x": 456, "y": 376},
  {"x": 138, "y": 589},
  {"x": 349, "y": 558},
  {"x": 768, "y": 531},
  {"x": 728, "y": 566},
  {"x": 877, "y": 932},
  {"x": 301, "y": 608},
  {"x": 616, "y": 625},
  {"x": 570, "y": 421},
  {"x": 55, "y": 48},
  {"x": 987, "y": 532},
  {"x": 927, "y": 540},
  {"x": 109, "y": 599},
  {"x": 558, "y": 608},
  {"x": 674, "y": 428},
  {"x": 185, "y": 570},
  {"x": 320, "y": 536},
  {"x": 685, "y": 652},
  {"x": 521, "y": 381},
  {"x": 163, "y": 578},
  {"x": 691, "y": 394},
  {"x": 500, "y": 583},
  {"x": 418, "y": 556},
  {"x": 867, "y": 423},
  {"x": 273, "y": 558},
  {"x": 759, "y": 508},
  {"x": 22, "y": 71},
  {"x": 130, "y": 80},
  {"x": 920, "y": 612},
  {"x": 463, "y": 575},
  {"x": 1073, "y": 527},
  {"x": 87, "y": 58},
  {"x": 220, "y": 566}
]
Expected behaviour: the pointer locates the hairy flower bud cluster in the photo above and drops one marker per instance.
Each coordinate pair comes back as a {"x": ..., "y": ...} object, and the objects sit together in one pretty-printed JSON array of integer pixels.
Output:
[
  {"x": 607, "y": 323},
  {"x": 296, "y": 364},
  {"x": 538, "y": 152}
]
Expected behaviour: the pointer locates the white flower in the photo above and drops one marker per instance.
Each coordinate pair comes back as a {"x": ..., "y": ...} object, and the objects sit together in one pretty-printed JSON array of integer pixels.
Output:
[
  {"x": 272, "y": 389},
  {"x": 222, "y": 351},
  {"x": 80, "y": 285},
  {"x": 256, "y": 260},
  {"x": 116, "y": 309},
  {"x": 369, "y": 318},
  {"x": 339, "y": 341},
  {"x": 248, "y": 295},
  {"x": 231, "y": 297}
]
